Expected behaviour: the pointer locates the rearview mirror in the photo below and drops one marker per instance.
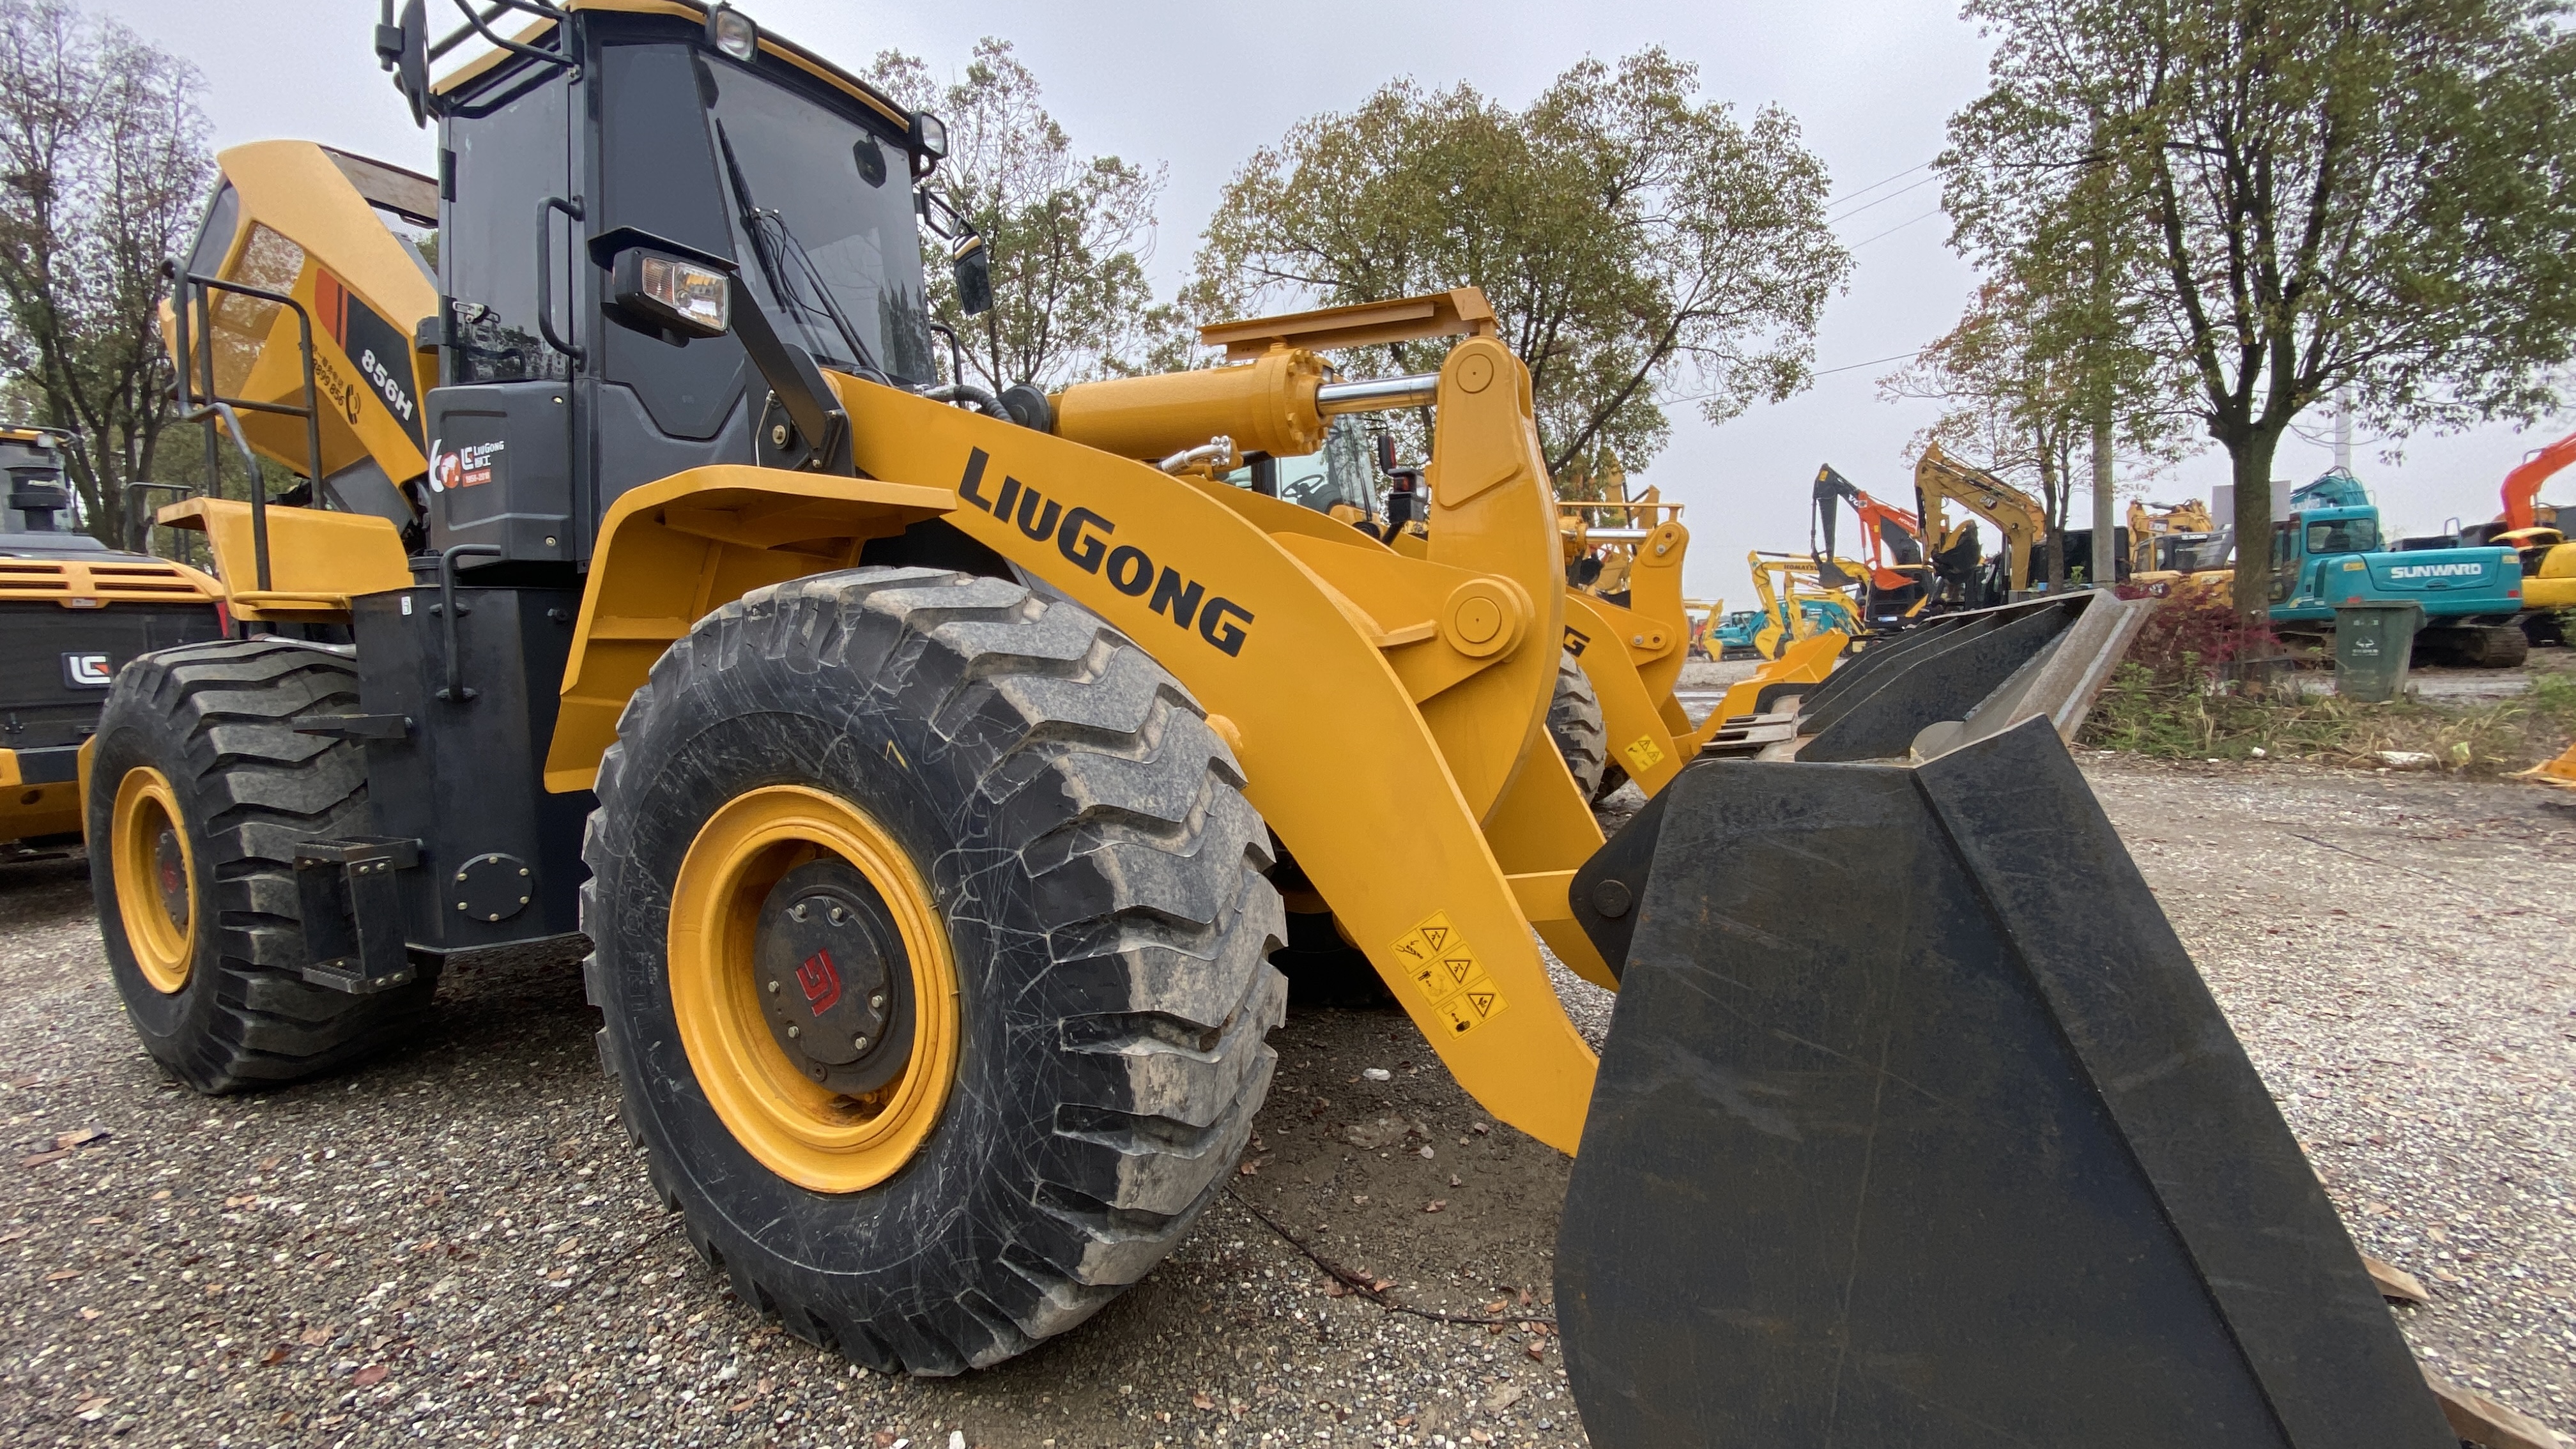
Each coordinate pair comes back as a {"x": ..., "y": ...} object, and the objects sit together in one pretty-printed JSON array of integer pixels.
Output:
[
  {"x": 972, "y": 265},
  {"x": 403, "y": 48},
  {"x": 968, "y": 260}
]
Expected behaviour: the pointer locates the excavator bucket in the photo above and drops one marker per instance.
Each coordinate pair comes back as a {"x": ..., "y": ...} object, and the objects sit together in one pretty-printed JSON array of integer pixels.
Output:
[{"x": 1916, "y": 1125}]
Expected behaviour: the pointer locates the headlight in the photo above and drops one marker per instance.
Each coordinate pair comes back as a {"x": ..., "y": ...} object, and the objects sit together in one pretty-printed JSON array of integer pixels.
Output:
[
  {"x": 687, "y": 297},
  {"x": 929, "y": 134},
  {"x": 731, "y": 31}
]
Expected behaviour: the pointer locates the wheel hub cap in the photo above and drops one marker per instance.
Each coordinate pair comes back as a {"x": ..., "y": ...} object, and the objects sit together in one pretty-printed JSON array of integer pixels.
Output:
[
  {"x": 170, "y": 875},
  {"x": 833, "y": 978}
]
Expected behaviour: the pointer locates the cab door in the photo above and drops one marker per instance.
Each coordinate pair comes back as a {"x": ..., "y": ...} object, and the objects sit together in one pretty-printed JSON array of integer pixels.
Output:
[
  {"x": 656, "y": 403},
  {"x": 501, "y": 421},
  {"x": 2285, "y": 561}
]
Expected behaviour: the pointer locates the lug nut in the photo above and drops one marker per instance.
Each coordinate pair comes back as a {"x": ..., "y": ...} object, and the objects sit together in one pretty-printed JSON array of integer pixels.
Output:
[
  {"x": 876, "y": 1001},
  {"x": 773, "y": 988},
  {"x": 793, "y": 1033},
  {"x": 860, "y": 1042},
  {"x": 796, "y": 912},
  {"x": 838, "y": 915}
]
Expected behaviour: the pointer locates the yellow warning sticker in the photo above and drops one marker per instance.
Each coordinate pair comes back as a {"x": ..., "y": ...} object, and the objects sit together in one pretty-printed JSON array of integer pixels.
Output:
[
  {"x": 1645, "y": 754},
  {"x": 1452, "y": 978}
]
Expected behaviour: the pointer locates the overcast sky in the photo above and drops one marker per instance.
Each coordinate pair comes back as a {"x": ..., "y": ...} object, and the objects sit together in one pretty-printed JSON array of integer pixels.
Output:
[{"x": 1198, "y": 87}]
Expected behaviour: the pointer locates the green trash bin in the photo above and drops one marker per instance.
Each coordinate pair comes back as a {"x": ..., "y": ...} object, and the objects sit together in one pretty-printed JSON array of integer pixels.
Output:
[{"x": 2372, "y": 643}]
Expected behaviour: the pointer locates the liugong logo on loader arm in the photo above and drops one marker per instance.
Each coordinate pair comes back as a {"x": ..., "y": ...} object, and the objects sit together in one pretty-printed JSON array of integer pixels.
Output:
[{"x": 1082, "y": 536}]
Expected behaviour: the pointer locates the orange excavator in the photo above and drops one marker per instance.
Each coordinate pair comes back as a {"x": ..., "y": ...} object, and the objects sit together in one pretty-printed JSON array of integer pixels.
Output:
[
  {"x": 1894, "y": 585},
  {"x": 2522, "y": 503},
  {"x": 2548, "y": 558}
]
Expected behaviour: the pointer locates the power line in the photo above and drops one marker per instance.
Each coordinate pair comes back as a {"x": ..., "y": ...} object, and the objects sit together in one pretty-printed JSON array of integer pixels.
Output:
[
  {"x": 1891, "y": 196},
  {"x": 1893, "y": 230},
  {"x": 1873, "y": 186},
  {"x": 1873, "y": 362}
]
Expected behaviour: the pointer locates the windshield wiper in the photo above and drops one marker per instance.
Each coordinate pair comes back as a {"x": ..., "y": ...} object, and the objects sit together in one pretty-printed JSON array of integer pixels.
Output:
[{"x": 777, "y": 249}]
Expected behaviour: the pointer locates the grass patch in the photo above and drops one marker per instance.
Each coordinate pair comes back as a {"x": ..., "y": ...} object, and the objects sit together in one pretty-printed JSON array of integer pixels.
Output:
[{"x": 2177, "y": 713}]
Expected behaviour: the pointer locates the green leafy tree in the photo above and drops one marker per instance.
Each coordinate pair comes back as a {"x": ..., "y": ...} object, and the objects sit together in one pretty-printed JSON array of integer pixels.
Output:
[
  {"x": 1069, "y": 234},
  {"x": 2295, "y": 196},
  {"x": 103, "y": 168},
  {"x": 2023, "y": 378},
  {"x": 1643, "y": 246}
]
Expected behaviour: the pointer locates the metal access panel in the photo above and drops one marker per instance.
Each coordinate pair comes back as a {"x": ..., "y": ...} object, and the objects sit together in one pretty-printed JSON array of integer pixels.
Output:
[
  {"x": 458, "y": 766},
  {"x": 501, "y": 471}
]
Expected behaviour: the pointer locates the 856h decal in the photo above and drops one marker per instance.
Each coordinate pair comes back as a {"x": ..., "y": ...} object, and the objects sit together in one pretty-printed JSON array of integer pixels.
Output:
[
  {"x": 380, "y": 352},
  {"x": 1083, "y": 537}
]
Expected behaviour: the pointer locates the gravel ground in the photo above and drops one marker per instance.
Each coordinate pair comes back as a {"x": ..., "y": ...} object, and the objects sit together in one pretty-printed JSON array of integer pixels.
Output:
[
  {"x": 455, "y": 1244},
  {"x": 2396, "y": 953}
]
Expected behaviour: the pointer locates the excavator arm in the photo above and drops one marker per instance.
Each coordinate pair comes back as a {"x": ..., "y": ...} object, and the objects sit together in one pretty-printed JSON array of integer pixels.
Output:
[
  {"x": 1891, "y": 537},
  {"x": 1940, "y": 478},
  {"x": 2522, "y": 485}
]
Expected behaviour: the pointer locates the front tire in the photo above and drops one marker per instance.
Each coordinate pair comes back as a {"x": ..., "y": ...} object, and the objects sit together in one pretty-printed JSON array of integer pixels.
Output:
[
  {"x": 200, "y": 789},
  {"x": 1039, "y": 824},
  {"x": 1574, "y": 722}
]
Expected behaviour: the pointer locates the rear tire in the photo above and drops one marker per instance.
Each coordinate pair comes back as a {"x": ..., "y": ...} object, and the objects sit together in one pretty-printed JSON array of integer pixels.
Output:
[
  {"x": 198, "y": 767},
  {"x": 1574, "y": 722},
  {"x": 1080, "y": 856}
]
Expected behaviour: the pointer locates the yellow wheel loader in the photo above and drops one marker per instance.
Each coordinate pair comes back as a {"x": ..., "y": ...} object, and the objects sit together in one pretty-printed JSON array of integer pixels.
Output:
[
  {"x": 923, "y": 769},
  {"x": 72, "y": 612}
]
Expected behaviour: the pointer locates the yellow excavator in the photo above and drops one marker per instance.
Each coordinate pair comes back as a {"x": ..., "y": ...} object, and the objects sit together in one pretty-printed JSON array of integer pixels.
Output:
[
  {"x": 922, "y": 769},
  {"x": 2160, "y": 539},
  {"x": 1795, "y": 604},
  {"x": 1963, "y": 578}
]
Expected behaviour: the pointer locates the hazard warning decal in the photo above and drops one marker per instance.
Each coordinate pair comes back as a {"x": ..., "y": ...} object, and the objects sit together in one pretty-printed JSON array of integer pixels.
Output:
[
  {"x": 1436, "y": 955},
  {"x": 1643, "y": 754}
]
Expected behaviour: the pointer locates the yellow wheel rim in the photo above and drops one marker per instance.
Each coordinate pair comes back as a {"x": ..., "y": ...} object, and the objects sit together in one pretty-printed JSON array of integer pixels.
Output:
[
  {"x": 798, "y": 1129},
  {"x": 155, "y": 877}
]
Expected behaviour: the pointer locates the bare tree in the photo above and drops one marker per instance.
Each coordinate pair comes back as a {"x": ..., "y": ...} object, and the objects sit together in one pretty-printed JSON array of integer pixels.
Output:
[
  {"x": 2025, "y": 379},
  {"x": 103, "y": 166}
]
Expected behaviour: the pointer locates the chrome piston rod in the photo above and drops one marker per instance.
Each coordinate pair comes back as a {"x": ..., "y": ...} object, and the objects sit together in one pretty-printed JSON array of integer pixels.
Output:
[{"x": 1377, "y": 394}]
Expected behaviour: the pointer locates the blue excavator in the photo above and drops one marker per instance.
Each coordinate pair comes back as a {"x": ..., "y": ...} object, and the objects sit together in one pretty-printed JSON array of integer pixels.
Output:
[{"x": 2331, "y": 552}]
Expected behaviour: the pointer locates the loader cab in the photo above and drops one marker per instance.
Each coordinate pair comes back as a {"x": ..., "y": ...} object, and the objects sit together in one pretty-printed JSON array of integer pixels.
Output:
[
  {"x": 35, "y": 506},
  {"x": 616, "y": 135},
  {"x": 1339, "y": 480}
]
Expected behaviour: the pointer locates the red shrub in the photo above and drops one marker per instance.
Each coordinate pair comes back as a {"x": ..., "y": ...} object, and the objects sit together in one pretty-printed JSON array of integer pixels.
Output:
[{"x": 2192, "y": 632}]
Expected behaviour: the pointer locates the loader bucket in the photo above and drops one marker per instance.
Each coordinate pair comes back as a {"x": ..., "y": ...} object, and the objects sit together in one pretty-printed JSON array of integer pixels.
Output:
[
  {"x": 1916, "y": 1126},
  {"x": 2560, "y": 771}
]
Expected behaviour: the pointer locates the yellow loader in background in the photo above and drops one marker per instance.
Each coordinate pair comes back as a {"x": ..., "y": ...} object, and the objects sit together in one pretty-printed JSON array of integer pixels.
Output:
[{"x": 924, "y": 769}]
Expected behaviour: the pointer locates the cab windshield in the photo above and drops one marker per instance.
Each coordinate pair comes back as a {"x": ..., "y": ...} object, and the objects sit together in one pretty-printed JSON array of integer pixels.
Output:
[
  {"x": 2343, "y": 535},
  {"x": 824, "y": 224},
  {"x": 1343, "y": 472}
]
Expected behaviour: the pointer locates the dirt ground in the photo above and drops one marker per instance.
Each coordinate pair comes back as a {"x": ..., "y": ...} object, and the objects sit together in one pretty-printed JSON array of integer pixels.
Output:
[{"x": 456, "y": 1245}]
